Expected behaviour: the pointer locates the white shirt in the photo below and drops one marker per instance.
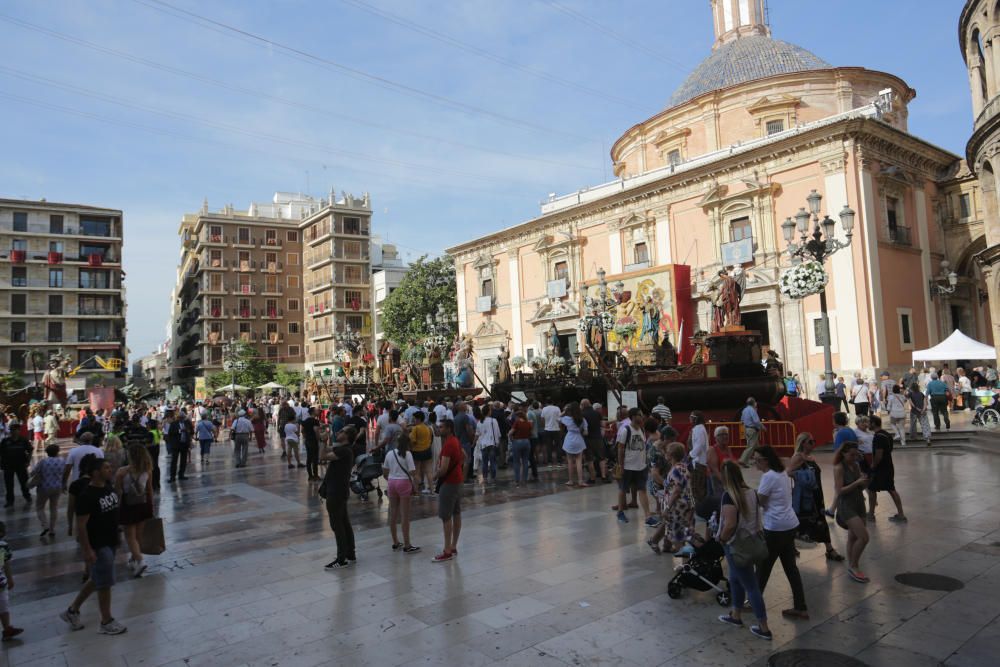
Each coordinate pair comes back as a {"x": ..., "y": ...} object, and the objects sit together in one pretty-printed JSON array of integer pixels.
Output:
[
  {"x": 776, "y": 495},
  {"x": 864, "y": 440},
  {"x": 699, "y": 444},
  {"x": 392, "y": 464},
  {"x": 964, "y": 383},
  {"x": 551, "y": 415},
  {"x": 292, "y": 431},
  {"x": 76, "y": 455},
  {"x": 488, "y": 432},
  {"x": 860, "y": 393},
  {"x": 635, "y": 447},
  {"x": 38, "y": 424}
]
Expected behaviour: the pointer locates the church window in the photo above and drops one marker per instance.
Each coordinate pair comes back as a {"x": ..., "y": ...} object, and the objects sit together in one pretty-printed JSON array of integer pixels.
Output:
[
  {"x": 641, "y": 253},
  {"x": 775, "y": 126},
  {"x": 964, "y": 206},
  {"x": 740, "y": 229},
  {"x": 486, "y": 287},
  {"x": 674, "y": 157},
  {"x": 561, "y": 271}
]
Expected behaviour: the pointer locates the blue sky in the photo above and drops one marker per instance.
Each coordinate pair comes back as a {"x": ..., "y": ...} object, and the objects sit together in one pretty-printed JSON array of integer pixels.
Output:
[{"x": 473, "y": 145}]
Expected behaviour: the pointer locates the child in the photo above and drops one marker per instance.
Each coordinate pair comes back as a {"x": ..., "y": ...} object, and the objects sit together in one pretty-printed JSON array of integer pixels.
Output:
[{"x": 6, "y": 583}]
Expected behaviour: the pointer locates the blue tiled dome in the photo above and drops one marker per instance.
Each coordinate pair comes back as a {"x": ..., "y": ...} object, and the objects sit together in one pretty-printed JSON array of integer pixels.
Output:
[{"x": 742, "y": 60}]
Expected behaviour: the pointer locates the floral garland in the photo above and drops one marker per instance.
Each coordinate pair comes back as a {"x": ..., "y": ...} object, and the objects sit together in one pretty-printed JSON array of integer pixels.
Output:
[{"x": 803, "y": 279}]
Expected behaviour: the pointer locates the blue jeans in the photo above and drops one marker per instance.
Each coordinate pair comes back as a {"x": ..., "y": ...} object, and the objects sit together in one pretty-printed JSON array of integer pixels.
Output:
[
  {"x": 743, "y": 585},
  {"x": 521, "y": 450},
  {"x": 490, "y": 462},
  {"x": 206, "y": 447}
]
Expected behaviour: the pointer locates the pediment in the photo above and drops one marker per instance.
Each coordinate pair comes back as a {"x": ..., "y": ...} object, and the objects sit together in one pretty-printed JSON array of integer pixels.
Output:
[
  {"x": 489, "y": 328},
  {"x": 670, "y": 135},
  {"x": 554, "y": 309},
  {"x": 772, "y": 102},
  {"x": 715, "y": 194}
]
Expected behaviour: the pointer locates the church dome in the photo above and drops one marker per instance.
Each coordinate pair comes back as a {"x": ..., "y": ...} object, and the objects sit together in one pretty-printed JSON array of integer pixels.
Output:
[{"x": 746, "y": 59}]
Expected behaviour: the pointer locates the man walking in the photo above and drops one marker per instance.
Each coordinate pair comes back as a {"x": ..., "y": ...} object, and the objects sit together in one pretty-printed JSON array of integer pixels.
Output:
[
  {"x": 661, "y": 411},
  {"x": 177, "y": 434},
  {"x": 15, "y": 455},
  {"x": 550, "y": 436},
  {"x": 752, "y": 427},
  {"x": 450, "y": 491},
  {"x": 242, "y": 430},
  {"x": 918, "y": 413},
  {"x": 938, "y": 392},
  {"x": 97, "y": 531},
  {"x": 464, "y": 429}
]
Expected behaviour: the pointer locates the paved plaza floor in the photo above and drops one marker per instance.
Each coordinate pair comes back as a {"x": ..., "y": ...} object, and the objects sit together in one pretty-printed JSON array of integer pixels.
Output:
[{"x": 545, "y": 577}]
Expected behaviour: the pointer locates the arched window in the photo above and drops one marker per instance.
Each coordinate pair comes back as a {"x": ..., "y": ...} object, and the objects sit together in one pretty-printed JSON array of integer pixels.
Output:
[{"x": 979, "y": 58}]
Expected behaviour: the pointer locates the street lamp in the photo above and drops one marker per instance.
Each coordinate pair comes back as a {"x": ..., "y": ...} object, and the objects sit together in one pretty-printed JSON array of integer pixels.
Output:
[
  {"x": 599, "y": 307},
  {"x": 441, "y": 326},
  {"x": 945, "y": 283},
  {"x": 821, "y": 245}
]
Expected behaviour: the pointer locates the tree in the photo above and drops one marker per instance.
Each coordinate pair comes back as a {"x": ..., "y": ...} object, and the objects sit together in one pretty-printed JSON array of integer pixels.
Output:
[
  {"x": 251, "y": 369},
  {"x": 290, "y": 380},
  {"x": 426, "y": 285}
]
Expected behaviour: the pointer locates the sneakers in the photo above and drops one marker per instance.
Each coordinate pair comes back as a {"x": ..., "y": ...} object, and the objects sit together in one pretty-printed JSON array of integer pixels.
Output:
[
  {"x": 112, "y": 627},
  {"x": 337, "y": 565},
  {"x": 622, "y": 518},
  {"x": 652, "y": 522},
  {"x": 729, "y": 620},
  {"x": 136, "y": 568},
  {"x": 898, "y": 518},
  {"x": 756, "y": 631},
  {"x": 443, "y": 557},
  {"x": 72, "y": 618},
  {"x": 795, "y": 614},
  {"x": 411, "y": 549},
  {"x": 11, "y": 632}
]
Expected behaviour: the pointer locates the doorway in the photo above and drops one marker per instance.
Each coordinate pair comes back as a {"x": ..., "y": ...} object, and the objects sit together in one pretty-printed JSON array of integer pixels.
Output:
[{"x": 757, "y": 321}]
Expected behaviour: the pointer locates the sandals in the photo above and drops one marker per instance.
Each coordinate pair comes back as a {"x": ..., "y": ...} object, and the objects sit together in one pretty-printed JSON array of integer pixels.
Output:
[
  {"x": 858, "y": 576},
  {"x": 832, "y": 554}
]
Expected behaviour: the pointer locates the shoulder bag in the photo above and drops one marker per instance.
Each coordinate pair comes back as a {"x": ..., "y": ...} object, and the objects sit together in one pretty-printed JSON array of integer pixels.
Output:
[
  {"x": 749, "y": 547},
  {"x": 413, "y": 488}
]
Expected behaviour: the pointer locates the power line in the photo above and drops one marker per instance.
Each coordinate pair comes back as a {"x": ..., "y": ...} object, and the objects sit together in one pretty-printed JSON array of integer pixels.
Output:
[
  {"x": 353, "y": 72},
  {"x": 238, "y": 130},
  {"x": 614, "y": 34},
  {"x": 170, "y": 133},
  {"x": 257, "y": 94},
  {"x": 488, "y": 55}
]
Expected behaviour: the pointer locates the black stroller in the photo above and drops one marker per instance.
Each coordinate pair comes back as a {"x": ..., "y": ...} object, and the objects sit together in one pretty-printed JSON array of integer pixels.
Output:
[
  {"x": 367, "y": 469},
  {"x": 702, "y": 572}
]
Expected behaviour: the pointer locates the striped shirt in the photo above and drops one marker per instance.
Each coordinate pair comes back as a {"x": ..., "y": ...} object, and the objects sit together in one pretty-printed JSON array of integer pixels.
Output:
[{"x": 663, "y": 412}]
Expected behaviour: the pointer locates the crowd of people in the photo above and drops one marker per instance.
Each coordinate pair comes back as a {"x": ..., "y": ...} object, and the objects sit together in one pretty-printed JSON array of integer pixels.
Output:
[{"x": 689, "y": 490}]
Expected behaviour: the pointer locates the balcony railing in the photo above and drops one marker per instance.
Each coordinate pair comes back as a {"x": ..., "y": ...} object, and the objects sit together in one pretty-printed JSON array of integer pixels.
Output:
[
  {"x": 64, "y": 284},
  {"x": 66, "y": 231},
  {"x": 319, "y": 332},
  {"x": 899, "y": 235}
]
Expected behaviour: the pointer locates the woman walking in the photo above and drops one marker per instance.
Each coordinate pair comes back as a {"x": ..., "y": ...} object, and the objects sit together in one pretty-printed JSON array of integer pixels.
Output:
[
  {"x": 860, "y": 397},
  {"x": 780, "y": 527},
  {"x": 487, "y": 439},
  {"x": 895, "y": 405},
  {"x": 740, "y": 513},
  {"x": 398, "y": 468},
  {"x": 207, "y": 433},
  {"x": 259, "y": 422},
  {"x": 698, "y": 441},
  {"x": 49, "y": 472},
  {"x": 883, "y": 476},
  {"x": 718, "y": 454},
  {"x": 574, "y": 443},
  {"x": 134, "y": 484},
  {"x": 520, "y": 445},
  {"x": 849, "y": 482},
  {"x": 113, "y": 452},
  {"x": 807, "y": 497}
]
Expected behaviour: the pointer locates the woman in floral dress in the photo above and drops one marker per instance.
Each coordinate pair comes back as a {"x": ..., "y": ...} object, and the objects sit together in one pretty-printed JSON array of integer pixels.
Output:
[{"x": 679, "y": 505}]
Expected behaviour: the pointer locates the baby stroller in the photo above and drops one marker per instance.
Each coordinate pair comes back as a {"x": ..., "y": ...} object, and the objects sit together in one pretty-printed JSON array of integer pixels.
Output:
[
  {"x": 367, "y": 469},
  {"x": 702, "y": 572}
]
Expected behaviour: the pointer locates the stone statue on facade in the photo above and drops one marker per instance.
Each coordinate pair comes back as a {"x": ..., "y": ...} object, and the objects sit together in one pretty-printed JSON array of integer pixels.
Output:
[{"x": 555, "y": 349}]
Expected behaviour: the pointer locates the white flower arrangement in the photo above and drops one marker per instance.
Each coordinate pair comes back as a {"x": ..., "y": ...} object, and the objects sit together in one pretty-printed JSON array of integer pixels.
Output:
[
  {"x": 537, "y": 363},
  {"x": 803, "y": 279},
  {"x": 517, "y": 362},
  {"x": 555, "y": 361}
]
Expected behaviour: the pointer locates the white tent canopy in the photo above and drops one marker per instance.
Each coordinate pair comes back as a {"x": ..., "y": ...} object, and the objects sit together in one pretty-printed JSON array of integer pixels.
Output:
[
  {"x": 232, "y": 387},
  {"x": 954, "y": 347},
  {"x": 271, "y": 385}
]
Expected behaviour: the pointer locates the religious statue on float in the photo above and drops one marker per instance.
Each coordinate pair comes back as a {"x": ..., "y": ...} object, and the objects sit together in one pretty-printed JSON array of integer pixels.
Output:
[
  {"x": 54, "y": 380},
  {"x": 503, "y": 365},
  {"x": 725, "y": 293},
  {"x": 464, "y": 377}
]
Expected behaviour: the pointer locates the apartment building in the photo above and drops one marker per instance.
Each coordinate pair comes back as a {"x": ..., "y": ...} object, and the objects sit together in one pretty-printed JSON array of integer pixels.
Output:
[
  {"x": 337, "y": 278},
  {"x": 239, "y": 278},
  {"x": 388, "y": 270},
  {"x": 61, "y": 285}
]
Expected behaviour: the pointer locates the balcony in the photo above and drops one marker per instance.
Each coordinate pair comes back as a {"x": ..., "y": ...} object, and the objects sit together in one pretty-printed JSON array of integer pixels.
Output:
[
  {"x": 318, "y": 285},
  {"x": 341, "y": 302},
  {"x": 320, "y": 332},
  {"x": 899, "y": 235},
  {"x": 99, "y": 310},
  {"x": 272, "y": 313},
  {"x": 215, "y": 288},
  {"x": 95, "y": 259},
  {"x": 272, "y": 267},
  {"x": 243, "y": 241},
  {"x": 212, "y": 239},
  {"x": 18, "y": 256},
  {"x": 249, "y": 290},
  {"x": 55, "y": 258},
  {"x": 271, "y": 243},
  {"x": 314, "y": 260},
  {"x": 318, "y": 233},
  {"x": 341, "y": 253},
  {"x": 245, "y": 266},
  {"x": 43, "y": 283},
  {"x": 320, "y": 308},
  {"x": 45, "y": 230},
  {"x": 272, "y": 290}
]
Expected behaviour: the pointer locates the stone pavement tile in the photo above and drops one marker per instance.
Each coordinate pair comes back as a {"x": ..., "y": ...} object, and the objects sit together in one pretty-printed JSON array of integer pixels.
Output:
[
  {"x": 497, "y": 644},
  {"x": 919, "y": 640},
  {"x": 653, "y": 647},
  {"x": 834, "y": 635},
  {"x": 983, "y": 649},
  {"x": 160, "y": 654},
  {"x": 890, "y": 656},
  {"x": 584, "y": 643},
  {"x": 505, "y": 613},
  {"x": 57, "y": 660},
  {"x": 715, "y": 654},
  {"x": 531, "y": 657}
]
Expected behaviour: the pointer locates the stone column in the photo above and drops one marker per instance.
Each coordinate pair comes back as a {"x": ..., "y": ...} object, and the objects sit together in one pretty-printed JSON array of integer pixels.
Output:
[{"x": 514, "y": 268}]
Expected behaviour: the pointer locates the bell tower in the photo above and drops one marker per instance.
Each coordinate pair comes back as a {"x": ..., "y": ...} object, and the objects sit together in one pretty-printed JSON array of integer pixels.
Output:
[{"x": 734, "y": 19}]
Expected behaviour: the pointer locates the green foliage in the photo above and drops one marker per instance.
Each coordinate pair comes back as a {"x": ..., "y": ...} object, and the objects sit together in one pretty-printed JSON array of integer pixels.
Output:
[
  {"x": 252, "y": 370},
  {"x": 291, "y": 380},
  {"x": 216, "y": 380},
  {"x": 12, "y": 381},
  {"x": 426, "y": 285}
]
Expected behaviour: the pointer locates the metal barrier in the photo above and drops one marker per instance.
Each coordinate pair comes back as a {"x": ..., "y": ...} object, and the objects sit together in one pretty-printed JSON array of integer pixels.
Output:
[{"x": 778, "y": 434}]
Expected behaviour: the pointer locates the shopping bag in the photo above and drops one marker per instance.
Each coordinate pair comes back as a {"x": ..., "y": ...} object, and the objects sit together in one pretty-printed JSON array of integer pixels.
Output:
[{"x": 151, "y": 542}]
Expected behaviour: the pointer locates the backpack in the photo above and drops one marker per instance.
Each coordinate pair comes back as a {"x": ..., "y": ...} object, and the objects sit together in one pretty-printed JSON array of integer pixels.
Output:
[{"x": 804, "y": 493}]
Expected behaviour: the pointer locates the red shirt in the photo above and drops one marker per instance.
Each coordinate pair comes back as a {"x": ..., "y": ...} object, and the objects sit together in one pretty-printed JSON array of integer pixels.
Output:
[
  {"x": 453, "y": 450},
  {"x": 521, "y": 430}
]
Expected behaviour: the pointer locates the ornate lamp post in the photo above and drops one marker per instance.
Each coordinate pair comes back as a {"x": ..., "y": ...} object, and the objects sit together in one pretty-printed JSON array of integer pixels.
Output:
[
  {"x": 945, "y": 283},
  {"x": 440, "y": 325},
  {"x": 598, "y": 308},
  {"x": 231, "y": 361},
  {"x": 817, "y": 247}
]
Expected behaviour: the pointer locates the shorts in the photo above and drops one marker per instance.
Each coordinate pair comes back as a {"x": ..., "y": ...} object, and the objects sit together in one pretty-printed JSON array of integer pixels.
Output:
[
  {"x": 400, "y": 488},
  {"x": 4, "y": 601},
  {"x": 102, "y": 572},
  {"x": 633, "y": 480},
  {"x": 425, "y": 455},
  {"x": 449, "y": 501},
  {"x": 39, "y": 436}
]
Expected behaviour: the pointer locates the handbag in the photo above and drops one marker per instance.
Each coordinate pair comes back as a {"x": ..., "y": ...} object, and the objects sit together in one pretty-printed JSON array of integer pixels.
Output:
[
  {"x": 151, "y": 542},
  {"x": 413, "y": 488},
  {"x": 35, "y": 478},
  {"x": 749, "y": 548}
]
